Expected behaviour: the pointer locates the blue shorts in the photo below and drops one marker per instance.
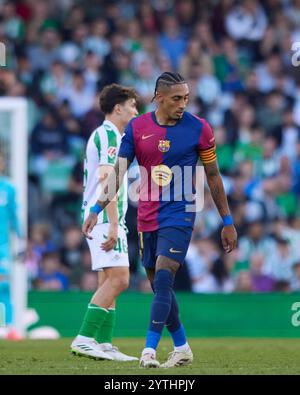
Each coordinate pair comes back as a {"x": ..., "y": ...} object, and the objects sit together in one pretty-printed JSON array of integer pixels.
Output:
[{"x": 172, "y": 242}]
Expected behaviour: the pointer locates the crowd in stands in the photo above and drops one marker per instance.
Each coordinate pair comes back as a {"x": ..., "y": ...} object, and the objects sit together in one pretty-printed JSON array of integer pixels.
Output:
[{"x": 237, "y": 59}]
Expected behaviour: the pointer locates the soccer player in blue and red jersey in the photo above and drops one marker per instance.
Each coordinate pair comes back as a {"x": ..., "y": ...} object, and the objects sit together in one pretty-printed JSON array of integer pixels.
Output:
[{"x": 164, "y": 140}]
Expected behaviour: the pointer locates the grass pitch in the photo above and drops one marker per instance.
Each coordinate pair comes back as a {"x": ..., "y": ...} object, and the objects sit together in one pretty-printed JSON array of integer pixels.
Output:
[{"x": 211, "y": 356}]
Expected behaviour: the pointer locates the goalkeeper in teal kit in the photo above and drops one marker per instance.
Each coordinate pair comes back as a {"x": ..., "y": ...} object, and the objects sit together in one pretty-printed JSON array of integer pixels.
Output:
[{"x": 8, "y": 223}]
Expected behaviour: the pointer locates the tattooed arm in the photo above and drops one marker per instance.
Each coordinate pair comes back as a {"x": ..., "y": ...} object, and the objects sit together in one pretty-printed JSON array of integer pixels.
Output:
[
  {"x": 110, "y": 188},
  {"x": 216, "y": 187},
  {"x": 113, "y": 182},
  {"x": 215, "y": 183}
]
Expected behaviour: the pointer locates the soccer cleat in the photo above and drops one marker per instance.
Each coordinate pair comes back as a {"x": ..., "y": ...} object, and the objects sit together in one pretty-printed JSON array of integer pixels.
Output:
[
  {"x": 89, "y": 349},
  {"x": 115, "y": 353},
  {"x": 178, "y": 358},
  {"x": 148, "y": 361}
]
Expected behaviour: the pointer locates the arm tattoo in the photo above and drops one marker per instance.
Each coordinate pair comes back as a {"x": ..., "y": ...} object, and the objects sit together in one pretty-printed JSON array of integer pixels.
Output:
[
  {"x": 216, "y": 187},
  {"x": 113, "y": 182}
]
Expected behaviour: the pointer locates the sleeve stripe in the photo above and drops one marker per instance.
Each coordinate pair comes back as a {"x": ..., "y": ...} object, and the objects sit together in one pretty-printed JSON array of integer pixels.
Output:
[
  {"x": 208, "y": 156},
  {"x": 208, "y": 151},
  {"x": 97, "y": 143},
  {"x": 208, "y": 159},
  {"x": 205, "y": 162}
]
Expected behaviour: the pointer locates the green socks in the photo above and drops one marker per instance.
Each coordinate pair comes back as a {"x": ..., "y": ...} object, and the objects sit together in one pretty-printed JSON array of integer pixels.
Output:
[
  {"x": 98, "y": 323},
  {"x": 105, "y": 332},
  {"x": 93, "y": 320}
]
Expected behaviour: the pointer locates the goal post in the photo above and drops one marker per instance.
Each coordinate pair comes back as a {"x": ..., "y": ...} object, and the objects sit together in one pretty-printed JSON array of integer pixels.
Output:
[{"x": 14, "y": 146}]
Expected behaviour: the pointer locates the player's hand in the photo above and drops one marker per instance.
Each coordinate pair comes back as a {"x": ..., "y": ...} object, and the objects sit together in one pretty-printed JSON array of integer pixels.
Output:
[
  {"x": 110, "y": 243},
  {"x": 89, "y": 224},
  {"x": 229, "y": 238}
]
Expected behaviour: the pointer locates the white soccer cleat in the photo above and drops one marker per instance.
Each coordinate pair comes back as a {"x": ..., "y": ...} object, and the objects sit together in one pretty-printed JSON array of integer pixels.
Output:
[
  {"x": 148, "y": 361},
  {"x": 115, "y": 353},
  {"x": 178, "y": 358},
  {"x": 89, "y": 349}
]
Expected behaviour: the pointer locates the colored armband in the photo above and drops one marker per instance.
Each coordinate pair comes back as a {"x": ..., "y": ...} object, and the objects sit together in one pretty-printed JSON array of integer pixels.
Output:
[
  {"x": 96, "y": 209},
  {"x": 227, "y": 220},
  {"x": 208, "y": 156}
]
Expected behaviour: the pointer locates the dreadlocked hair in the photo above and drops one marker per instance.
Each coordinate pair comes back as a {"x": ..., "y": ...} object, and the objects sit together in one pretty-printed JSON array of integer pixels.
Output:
[{"x": 167, "y": 79}]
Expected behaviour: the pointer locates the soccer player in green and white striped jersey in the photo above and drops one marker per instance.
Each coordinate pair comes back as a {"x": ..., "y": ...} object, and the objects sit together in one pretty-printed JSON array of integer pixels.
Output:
[{"x": 108, "y": 245}]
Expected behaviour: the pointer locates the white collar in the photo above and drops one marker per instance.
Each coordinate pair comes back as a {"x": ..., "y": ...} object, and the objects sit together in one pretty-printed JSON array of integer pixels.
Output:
[{"x": 112, "y": 125}]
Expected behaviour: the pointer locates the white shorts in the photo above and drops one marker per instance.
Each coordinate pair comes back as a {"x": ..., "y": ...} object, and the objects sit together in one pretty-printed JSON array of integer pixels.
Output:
[{"x": 113, "y": 258}]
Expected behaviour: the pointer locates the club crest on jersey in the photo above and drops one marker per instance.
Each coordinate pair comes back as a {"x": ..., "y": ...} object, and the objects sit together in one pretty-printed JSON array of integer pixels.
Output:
[
  {"x": 164, "y": 145},
  {"x": 111, "y": 152}
]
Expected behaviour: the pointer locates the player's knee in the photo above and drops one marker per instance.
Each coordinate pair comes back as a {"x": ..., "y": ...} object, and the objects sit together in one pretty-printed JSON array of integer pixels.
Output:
[
  {"x": 120, "y": 283},
  {"x": 124, "y": 283},
  {"x": 165, "y": 263}
]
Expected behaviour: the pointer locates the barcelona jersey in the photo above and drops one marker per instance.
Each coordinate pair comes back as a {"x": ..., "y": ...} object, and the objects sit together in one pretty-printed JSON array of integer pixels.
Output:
[{"x": 167, "y": 156}]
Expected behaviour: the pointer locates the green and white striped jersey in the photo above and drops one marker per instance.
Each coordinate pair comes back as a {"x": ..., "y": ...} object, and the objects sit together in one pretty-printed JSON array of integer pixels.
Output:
[{"x": 102, "y": 149}]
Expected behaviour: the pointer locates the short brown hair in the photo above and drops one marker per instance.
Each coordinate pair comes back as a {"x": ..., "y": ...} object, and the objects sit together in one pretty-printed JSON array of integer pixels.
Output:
[{"x": 115, "y": 94}]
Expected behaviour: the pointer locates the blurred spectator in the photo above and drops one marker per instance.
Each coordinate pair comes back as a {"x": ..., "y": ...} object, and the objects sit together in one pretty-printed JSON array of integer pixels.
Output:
[
  {"x": 92, "y": 119},
  {"x": 145, "y": 81},
  {"x": 48, "y": 141},
  {"x": 296, "y": 171},
  {"x": 279, "y": 261},
  {"x": 31, "y": 261},
  {"x": 246, "y": 21},
  {"x": 282, "y": 286},
  {"x": 270, "y": 160},
  {"x": 89, "y": 281},
  {"x": 255, "y": 241},
  {"x": 186, "y": 14},
  {"x": 230, "y": 66},
  {"x": 72, "y": 51},
  {"x": 47, "y": 51},
  {"x": 250, "y": 148},
  {"x": 295, "y": 283},
  {"x": 231, "y": 117},
  {"x": 270, "y": 114},
  {"x": 200, "y": 259},
  {"x": 243, "y": 282},
  {"x": 13, "y": 24},
  {"x": 208, "y": 87},
  {"x": 96, "y": 41},
  {"x": 79, "y": 95},
  {"x": 224, "y": 150},
  {"x": 287, "y": 135},
  {"x": 194, "y": 55},
  {"x": 221, "y": 271},
  {"x": 40, "y": 239},
  {"x": 260, "y": 281},
  {"x": 147, "y": 16},
  {"x": 51, "y": 277},
  {"x": 268, "y": 72},
  {"x": 53, "y": 81},
  {"x": 171, "y": 40},
  {"x": 71, "y": 253}
]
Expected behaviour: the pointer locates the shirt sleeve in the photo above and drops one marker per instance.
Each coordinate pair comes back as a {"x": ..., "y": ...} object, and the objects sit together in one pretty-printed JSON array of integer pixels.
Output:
[
  {"x": 106, "y": 144},
  {"x": 127, "y": 144},
  {"x": 207, "y": 144}
]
